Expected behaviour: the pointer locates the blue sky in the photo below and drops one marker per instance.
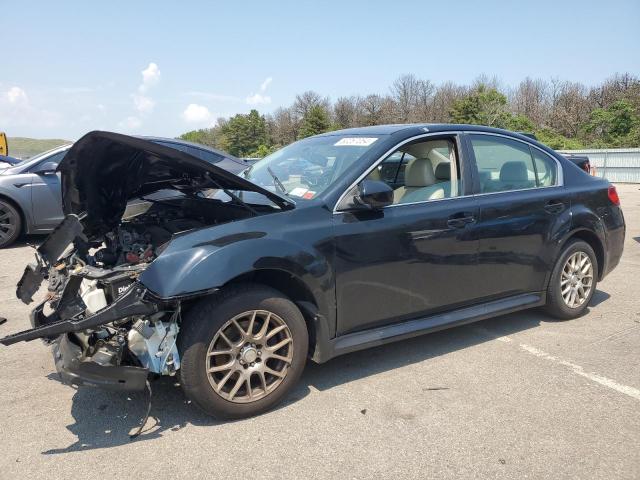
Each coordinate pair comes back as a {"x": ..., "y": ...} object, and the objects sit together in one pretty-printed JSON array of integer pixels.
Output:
[{"x": 69, "y": 67}]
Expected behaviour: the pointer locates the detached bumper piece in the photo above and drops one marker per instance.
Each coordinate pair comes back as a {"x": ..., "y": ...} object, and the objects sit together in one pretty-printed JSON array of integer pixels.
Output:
[
  {"x": 47, "y": 254},
  {"x": 74, "y": 369},
  {"x": 129, "y": 304}
]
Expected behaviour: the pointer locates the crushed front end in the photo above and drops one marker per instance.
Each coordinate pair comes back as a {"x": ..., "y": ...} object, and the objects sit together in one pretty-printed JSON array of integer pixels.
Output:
[
  {"x": 106, "y": 329},
  {"x": 125, "y": 200}
]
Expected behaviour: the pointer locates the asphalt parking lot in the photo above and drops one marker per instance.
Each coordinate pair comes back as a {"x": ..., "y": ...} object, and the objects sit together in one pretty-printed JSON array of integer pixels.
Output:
[{"x": 519, "y": 396}]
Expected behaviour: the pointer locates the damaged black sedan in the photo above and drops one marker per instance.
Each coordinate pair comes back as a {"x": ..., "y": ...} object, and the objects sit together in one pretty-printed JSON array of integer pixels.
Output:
[{"x": 167, "y": 265}]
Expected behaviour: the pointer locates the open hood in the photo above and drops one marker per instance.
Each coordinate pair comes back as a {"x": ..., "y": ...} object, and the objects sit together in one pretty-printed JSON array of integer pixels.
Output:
[{"x": 103, "y": 171}]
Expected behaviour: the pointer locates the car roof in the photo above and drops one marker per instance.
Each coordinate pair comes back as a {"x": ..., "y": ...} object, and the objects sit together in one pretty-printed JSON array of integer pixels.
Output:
[
  {"x": 190, "y": 144},
  {"x": 413, "y": 127}
]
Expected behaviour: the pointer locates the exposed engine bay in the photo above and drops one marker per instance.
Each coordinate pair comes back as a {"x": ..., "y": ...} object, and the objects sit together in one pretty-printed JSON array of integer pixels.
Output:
[{"x": 107, "y": 269}]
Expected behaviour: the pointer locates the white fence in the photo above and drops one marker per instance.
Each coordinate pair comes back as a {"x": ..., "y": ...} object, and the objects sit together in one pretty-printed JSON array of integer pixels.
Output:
[{"x": 615, "y": 164}]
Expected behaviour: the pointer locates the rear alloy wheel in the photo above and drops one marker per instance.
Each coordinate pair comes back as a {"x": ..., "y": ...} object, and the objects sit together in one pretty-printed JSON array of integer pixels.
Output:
[
  {"x": 573, "y": 281},
  {"x": 242, "y": 350},
  {"x": 10, "y": 224},
  {"x": 576, "y": 279}
]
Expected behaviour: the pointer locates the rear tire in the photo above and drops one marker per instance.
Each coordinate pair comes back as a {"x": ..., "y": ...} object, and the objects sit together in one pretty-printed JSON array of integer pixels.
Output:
[
  {"x": 242, "y": 350},
  {"x": 573, "y": 281},
  {"x": 10, "y": 223}
]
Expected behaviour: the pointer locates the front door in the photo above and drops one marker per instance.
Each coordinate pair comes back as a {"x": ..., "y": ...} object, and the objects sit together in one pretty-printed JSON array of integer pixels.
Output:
[
  {"x": 415, "y": 257},
  {"x": 46, "y": 197}
]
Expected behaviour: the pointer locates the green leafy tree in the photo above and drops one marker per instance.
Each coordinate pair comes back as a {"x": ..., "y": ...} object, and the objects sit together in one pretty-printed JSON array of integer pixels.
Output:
[
  {"x": 315, "y": 121},
  {"x": 262, "y": 151},
  {"x": 244, "y": 134},
  {"x": 612, "y": 124},
  {"x": 555, "y": 140},
  {"x": 484, "y": 106},
  {"x": 204, "y": 136}
]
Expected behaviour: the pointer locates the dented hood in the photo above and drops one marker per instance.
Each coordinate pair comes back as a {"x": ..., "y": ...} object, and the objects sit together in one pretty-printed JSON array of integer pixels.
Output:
[{"x": 104, "y": 170}]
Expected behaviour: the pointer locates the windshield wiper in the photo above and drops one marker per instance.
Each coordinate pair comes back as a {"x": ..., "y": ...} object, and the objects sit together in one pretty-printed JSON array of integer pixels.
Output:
[
  {"x": 277, "y": 181},
  {"x": 237, "y": 199}
]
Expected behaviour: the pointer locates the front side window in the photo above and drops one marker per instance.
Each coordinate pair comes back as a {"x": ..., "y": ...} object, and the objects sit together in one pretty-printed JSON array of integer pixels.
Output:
[
  {"x": 421, "y": 171},
  {"x": 55, "y": 158},
  {"x": 504, "y": 165}
]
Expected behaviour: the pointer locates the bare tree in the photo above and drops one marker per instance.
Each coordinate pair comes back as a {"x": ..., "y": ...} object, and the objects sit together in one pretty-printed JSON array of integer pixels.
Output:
[
  {"x": 345, "y": 112},
  {"x": 306, "y": 100},
  {"x": 423, "y": 105},
  {"x": 443, "y": 99},
  {"x": 531, "y": 98},
  {"x": 569, "y": 107},
  {"x": 283, "y": 126},
  {"x": 404, "y": 92}
]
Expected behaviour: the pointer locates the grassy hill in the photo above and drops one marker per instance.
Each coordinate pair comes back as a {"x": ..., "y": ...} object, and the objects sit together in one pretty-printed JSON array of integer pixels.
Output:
[{"x": 22, "y": 147}]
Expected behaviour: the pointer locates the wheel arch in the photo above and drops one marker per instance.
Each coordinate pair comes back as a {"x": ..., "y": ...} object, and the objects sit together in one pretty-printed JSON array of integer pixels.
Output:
[
  {"x": 20, "y": 209},
  {"x": 300, "y": 293},
  {"x": 593, "y": 240}
]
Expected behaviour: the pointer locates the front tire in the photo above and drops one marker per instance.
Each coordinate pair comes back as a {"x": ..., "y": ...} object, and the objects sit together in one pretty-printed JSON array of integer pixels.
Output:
[
  {"x": 573, "y": 281},
  {"x": 10, "y": 223},
  {"x": 242, "y": 349}
]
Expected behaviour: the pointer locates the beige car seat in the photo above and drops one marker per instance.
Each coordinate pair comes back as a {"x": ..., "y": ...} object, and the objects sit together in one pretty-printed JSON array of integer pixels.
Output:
[{"x": 418, "y": 174}]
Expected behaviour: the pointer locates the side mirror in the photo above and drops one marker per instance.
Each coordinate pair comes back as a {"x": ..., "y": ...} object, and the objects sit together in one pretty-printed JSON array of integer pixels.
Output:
[
  {"x": 373, "y": 195},
  {"x": 46, "y": 168}
]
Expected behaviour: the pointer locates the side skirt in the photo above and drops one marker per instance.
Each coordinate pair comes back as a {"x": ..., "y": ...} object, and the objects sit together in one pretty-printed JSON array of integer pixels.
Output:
[{"x": 413, "y": 328}]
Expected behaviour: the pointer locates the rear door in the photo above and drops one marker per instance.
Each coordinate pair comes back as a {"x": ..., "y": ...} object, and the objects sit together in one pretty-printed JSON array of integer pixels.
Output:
[{"x": 522, "y": 204}]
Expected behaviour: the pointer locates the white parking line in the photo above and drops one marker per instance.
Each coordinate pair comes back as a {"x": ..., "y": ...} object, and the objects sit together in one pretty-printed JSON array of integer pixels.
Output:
[{"x": 577, "y": 369}]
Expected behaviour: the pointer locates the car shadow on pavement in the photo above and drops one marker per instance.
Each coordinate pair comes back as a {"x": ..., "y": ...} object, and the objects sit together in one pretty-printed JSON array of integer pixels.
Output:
[
  {"x": 26, "y": 241},
  {"x": 105, "y": 419}
]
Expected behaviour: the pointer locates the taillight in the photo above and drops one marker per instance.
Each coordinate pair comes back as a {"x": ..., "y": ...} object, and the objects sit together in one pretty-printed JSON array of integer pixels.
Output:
[{"x": 613, "y": 195}]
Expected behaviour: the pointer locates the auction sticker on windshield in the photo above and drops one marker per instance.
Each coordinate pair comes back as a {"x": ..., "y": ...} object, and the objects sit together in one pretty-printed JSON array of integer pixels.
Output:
[{"x": 355, "y": 142}]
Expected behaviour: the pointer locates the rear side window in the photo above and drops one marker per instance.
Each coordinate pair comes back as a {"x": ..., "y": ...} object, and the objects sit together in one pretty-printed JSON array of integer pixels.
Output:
[
  {"x": 504, "y": 165},
  {"x": 205, "y": 155},
  {"x": 545, "y": 168}
]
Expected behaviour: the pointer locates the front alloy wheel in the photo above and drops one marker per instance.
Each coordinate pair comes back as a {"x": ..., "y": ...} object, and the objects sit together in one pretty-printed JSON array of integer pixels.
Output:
[
  {"x": 249, "y": 356},
  {"x": 242, "y": 350}
]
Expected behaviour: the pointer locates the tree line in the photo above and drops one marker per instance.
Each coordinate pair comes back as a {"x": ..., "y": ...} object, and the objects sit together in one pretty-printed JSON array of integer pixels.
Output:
[{"x": 562, "y": 114}]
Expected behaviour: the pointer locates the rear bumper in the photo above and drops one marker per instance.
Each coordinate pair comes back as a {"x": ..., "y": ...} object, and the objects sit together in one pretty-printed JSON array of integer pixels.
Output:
[
  {"x": 615, "y": 233},
  {"x": 75, "y": 369}
]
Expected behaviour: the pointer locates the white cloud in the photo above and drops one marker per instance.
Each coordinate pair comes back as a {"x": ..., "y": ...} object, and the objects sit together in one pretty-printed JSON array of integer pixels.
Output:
[
  {"x": 17, "y": 96},
  {"x": 17, "y": 110},
  {"x": 257, "y": 99},
  {"x": 260, "y": 97},
  {"x": 143, "y": 104},
  {"x": 130, "y": 123},
  {"x": 150, "y": 77},
  {"x": 265, "y": 84},
  {"x": 195, "y": 113}
]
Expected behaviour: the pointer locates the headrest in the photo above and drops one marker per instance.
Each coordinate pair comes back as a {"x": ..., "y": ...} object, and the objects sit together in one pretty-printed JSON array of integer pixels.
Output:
[
  {"x": 514, "y": 172},
  {"x": 419, "y": 173},
  {"x": 375, "y": 174},
  {"x": 443, "y": 171}
]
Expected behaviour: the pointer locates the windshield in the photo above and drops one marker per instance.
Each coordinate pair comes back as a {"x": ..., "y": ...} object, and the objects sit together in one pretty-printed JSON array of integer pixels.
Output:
[
  {"x": 37, "y": 158},
  {"x": 306, "y": 168}
]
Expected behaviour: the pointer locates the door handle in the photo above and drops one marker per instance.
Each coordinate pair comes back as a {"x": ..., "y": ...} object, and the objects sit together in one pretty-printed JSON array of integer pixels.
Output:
[
  {"x": 554, "y": 206},
  {"x": 460, "y": 220}
]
